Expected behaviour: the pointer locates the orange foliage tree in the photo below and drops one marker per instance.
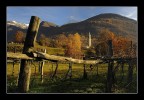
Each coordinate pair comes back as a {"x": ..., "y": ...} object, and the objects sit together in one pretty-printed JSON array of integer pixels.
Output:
[
  {"x": 19, "y": 37},
  {"x": 61, "y": 41},
  {"x": 101, "y": 45},
  {"x": 105, "y": 35},
  {"x": 44, "y": 41},
  {"x": 121, "y": 45}
]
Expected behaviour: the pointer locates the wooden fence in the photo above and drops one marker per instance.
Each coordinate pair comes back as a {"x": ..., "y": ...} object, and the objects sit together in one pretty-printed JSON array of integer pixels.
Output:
[{"x": 29, "y": 54}]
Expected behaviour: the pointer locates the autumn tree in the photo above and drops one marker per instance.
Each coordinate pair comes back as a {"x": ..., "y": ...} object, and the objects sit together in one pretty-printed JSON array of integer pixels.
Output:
[
  {"x": 84, "y": 40},
  {"x": 19, "y": 37},
  {"x": 73, "y": 48},
  {"x": 121, "y": 45},
  {"x": 105, "y": 35},
  {"x": 69, "y": 46},
  {"x": 61, "y": 41},
  {"x": 44, "y": 41},
  {"x": 101, "y": 45}
]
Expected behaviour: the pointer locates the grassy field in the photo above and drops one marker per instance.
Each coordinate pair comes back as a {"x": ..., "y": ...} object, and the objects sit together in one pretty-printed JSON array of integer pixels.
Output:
[
  {"x": 50, "y": 50},
  {"x": 93, "y": 84}
]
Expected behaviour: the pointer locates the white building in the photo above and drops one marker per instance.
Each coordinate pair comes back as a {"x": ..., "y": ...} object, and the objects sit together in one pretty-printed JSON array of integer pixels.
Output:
[{"x": 89, "y": 41}]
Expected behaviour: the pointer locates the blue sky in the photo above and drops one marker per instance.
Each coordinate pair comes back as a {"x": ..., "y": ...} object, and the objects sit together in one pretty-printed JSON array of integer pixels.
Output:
[{"x": 65, "y": 14}]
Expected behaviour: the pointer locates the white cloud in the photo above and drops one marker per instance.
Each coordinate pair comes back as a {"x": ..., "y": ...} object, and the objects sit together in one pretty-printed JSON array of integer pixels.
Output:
[
  {"x": 132, "y": 15},
  {"x": 73, "y": 19},
  {"x": 130, "y": 12},
  {"x": 27, "y": 24}
]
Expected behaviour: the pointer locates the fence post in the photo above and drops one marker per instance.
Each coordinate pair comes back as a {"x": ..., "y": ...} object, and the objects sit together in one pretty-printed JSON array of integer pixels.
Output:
[
  {"x": 69, "y": 72},
  {"x": 14, "y": 49},
  {"x": 110, "y": 68},
  {"x": 109, "y": 77},
  {"x": 55, "y": 70},
  {"x": 18, "y": 72},
  {"x": 130, "y": 67},
  {"x": 85, "y": 73},
  {"x": 13, "y": 67},
  {"x": 42, "y": 65},
  {"x": 25, "y": 69},
  {"x": 130, "y": 72},
  {"x": 39, "y": 67},
  {"x": 97, "y": 69}
]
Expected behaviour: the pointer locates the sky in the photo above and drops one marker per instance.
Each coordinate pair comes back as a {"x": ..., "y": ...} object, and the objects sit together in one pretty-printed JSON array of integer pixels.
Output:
[{"x": 61, "y": 15}]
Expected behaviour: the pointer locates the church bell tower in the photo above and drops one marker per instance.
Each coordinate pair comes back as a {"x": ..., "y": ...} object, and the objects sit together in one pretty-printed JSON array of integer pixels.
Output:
[{"x": 89, "y": 40}]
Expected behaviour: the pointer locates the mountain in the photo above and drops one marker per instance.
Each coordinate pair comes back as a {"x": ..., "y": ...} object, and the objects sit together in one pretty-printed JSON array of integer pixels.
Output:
[
  {"x": 113, "y": 22},
  {"x": 116, "y": 23},
  {"x": 48, "y": 24},
  {"x": 13, "y": 27},
  {"x": 47, "y": 28},
  {"x": 17, "y": 24}
]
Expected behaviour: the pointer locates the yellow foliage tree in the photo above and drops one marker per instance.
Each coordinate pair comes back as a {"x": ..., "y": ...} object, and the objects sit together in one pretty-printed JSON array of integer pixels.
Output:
[{"x": 73, "y": 48}]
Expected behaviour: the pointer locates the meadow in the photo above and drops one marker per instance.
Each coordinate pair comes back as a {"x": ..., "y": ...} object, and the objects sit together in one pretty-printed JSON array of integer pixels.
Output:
[{"x": 94, "y": 83}]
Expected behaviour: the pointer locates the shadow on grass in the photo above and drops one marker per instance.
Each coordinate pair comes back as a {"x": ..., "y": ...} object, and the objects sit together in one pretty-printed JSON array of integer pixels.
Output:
[
  {"x": 93, "y": 84},
  {"x": 74, "y": 85}
]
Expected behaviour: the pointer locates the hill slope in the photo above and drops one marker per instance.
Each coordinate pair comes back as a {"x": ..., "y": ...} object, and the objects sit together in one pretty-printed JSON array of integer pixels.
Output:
[{"x": 114, "y": 22}]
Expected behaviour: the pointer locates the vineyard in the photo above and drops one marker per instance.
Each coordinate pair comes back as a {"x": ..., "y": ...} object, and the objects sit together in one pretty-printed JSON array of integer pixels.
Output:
[{"x": 33, "y": 70}]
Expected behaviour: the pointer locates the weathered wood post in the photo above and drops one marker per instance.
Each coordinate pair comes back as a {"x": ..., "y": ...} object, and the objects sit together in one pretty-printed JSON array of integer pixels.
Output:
[
  {"x": 39, "y": 67},
  {"x": 85, "y": 73},
  {"x": 42, "y": 65},
  {"x": 130, "y": 72},
  {"x": 25, "y": 69},
  {"x": 52, "y": 67},
  {"x": 14, "y": 49},
  {"x": 130, "y": 67},
  {"x": 69, "y": 72},
  {"x": 110, "y": 68},
  {"x": 18, "y": 73},
  {"x": 13, "y": 67},
  {"x": 55, "y": 70}
]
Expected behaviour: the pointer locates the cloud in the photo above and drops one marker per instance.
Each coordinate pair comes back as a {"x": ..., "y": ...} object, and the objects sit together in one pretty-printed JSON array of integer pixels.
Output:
[
  {"x": 132, "y": 15},
  {"x": 27, "y": 24},
  {"x": 73, "y": 19},
  {"x": 130, "y": 12}
]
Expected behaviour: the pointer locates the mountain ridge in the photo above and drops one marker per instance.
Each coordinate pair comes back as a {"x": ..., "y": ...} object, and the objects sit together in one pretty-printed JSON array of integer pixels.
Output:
[{"x": 116, "y": 23}]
